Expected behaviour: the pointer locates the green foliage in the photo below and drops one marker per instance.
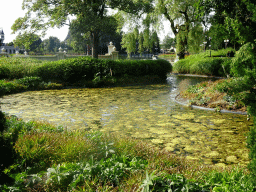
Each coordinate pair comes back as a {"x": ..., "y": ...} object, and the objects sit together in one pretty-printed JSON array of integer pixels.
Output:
[
  {"x": 147, "y": 43},
  {"x": 202, "y": 64},
  {"x": 86, "y": 68},
  {"x": 91, "y": 18},
  {"x": 110, "y": 170},
  {"x": 52, "y": 44},
  {"x": 69, "y": 70},
  {"x": 30, "y": 82},
  {"x": 195, "y": 39},
  {"x": 218, "y": 33},
  {"x": 129, "y": 43},
  {"x": 10, "y": 87},
  {"x": 168, "y": 42},
  {"x": 15, "y": 68},
  {"x": 24, "y": 84},
  {"x": 194, "y": 89},
  {"x": 28, "y": 74},
  {"x": 235, "y": 20},
  {"x": 244, "y": 64},
  {"x": 251, "y": 143},
  {"x": 140, "y": 41},
  {"x": 29, "y": 41},
  {"x": 225, "y": 181},
  {"x": 53, "y": 159}
]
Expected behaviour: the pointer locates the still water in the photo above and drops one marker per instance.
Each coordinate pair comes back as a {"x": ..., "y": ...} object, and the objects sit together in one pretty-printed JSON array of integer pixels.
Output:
[{"x": 146, "y": 112}]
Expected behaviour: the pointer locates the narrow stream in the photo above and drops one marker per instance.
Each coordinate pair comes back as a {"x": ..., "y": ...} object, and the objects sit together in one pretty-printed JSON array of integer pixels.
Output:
[{"x": 146, "y": 112}]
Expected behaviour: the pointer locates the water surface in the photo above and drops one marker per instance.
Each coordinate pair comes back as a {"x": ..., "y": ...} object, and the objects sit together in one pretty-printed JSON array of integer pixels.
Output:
[{"x": 146, "y": 112}]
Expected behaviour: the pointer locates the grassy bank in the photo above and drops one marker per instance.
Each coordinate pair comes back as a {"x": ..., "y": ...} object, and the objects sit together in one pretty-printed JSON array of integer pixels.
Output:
[
  {"x": 21, "y": 74},
  {"x": 213, "y": 94},
  {"x": 202, "y": 64},
  {"x": 51, "y": 158}
]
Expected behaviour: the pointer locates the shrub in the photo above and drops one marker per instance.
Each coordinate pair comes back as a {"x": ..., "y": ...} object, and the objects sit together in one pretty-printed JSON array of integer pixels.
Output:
[
  {"x": 10, "y": 87},
  {"x": 69, "y": 70},
  {"x": 86, "y": 68},
  {"x": 30, "y": 82},
  {"x": 244, "y": 64},
  {"x": 202, "y": 64},
  {"x": 15, "y": 68}
]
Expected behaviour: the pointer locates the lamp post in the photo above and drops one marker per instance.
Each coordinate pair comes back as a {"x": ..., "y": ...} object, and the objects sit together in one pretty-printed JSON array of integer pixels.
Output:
[
  {"x": 226, "y": 43},
  {"x": 45, "y": 48}
]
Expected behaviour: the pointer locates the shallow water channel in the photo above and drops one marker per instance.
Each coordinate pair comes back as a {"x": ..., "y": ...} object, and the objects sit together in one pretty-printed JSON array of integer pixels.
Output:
[{"x": 146, "y": 112}]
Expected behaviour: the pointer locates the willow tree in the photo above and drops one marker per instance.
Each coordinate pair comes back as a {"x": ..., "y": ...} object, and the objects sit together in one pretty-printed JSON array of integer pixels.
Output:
[
  {"x": 181, "y": 15},
  {"x": 129, "y": 43},
  {"x": 90, "y": 17}
]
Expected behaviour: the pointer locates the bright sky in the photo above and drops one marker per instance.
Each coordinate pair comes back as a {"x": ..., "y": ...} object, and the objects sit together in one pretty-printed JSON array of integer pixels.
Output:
[{"x": 11, "y": 10}]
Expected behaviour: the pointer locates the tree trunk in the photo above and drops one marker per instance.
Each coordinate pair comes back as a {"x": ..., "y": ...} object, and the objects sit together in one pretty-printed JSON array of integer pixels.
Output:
[{"x": 95, "y": 44}]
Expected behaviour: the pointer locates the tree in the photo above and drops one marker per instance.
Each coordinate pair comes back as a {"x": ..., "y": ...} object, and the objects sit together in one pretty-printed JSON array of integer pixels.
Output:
[
  {"x": 140, "y": 47},
  {"x": 155, "y": 42},
  {"x": 238, "y": 17},
  {"x": 129, "y": 43},
  {"x": 81, "y": 41},
  {"x": 195, "y": 38},
  {"x": 29, "y": 41},
  {"x": 10, "y": 44},
  {"x": 181, "y": 13},
  {"x": 168, "y": 42},
  {"x": 91, "y": 17},
  {"x": 52, "y": 44},
  {"x": 147, "y": 43}
]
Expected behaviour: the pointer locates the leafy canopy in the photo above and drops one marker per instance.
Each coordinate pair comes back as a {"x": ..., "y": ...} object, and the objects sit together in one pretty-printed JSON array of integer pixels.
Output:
[{"x": 91, "y": 17}]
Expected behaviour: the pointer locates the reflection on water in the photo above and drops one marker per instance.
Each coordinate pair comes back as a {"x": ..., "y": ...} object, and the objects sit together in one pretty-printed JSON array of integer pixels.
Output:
[{"x": 146, "y": 112}]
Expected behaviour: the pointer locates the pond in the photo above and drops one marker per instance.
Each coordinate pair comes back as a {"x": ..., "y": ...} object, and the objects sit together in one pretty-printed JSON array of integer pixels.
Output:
[{"x": 146, "y": 112}]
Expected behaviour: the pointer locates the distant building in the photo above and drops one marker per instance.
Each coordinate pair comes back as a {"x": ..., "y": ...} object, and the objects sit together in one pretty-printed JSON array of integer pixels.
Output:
[{"x": 9, "y": 49}]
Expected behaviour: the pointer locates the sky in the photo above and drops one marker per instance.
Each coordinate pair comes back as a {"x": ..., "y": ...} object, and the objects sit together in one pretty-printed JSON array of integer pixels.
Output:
[{"x": 11, "y": 10}]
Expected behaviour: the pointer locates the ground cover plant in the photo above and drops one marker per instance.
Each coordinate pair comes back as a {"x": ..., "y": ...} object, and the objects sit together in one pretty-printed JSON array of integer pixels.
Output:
[
  {"x": 49, "y": 158},
  {"x": 202, "y": 64}
]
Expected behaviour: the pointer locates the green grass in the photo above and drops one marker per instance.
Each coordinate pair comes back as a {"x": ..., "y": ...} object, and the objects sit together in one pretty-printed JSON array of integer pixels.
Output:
[
  {"x": 167, "y": 56},
  {"x": 51, "y": 158},
  {"x": 21, "y": 74},
  {"x": 202, "y": 64}
]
